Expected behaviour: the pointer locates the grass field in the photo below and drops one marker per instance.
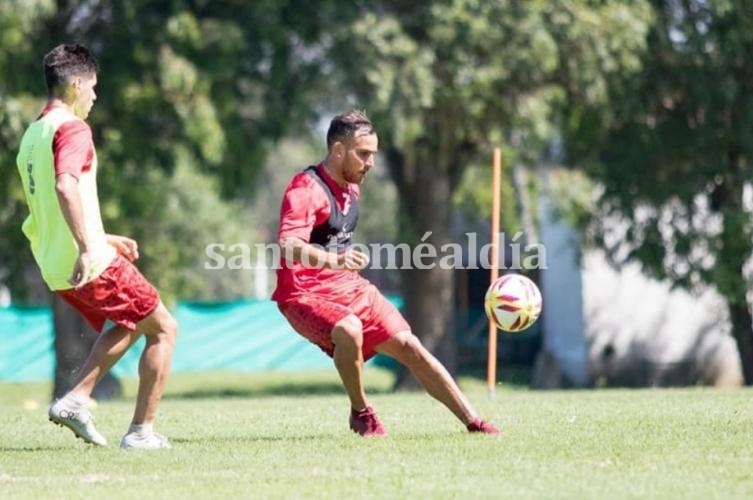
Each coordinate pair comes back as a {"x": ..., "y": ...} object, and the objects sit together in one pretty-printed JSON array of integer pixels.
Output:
[{"x": 242, "y": 436}]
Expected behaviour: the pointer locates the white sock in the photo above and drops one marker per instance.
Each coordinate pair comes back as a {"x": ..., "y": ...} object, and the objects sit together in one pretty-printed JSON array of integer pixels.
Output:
[
  {"x": 75, "y": 399},
  {"x": 142, "y": 429}
]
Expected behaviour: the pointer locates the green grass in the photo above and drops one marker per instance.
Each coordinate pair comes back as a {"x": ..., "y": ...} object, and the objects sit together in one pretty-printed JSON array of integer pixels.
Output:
[{"x": 286, "y": 436}]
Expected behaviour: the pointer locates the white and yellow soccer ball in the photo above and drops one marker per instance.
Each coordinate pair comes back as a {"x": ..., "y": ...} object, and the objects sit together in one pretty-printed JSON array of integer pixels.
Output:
[{"x": 513, "y": 303}]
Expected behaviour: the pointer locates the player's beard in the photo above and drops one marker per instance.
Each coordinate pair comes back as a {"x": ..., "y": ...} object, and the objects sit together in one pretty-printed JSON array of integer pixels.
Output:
[{"x": 355, "y": 177}]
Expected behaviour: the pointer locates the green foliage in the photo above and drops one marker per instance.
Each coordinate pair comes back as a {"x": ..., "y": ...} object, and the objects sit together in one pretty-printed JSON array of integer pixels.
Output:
[
  {"x": 190, "y": 100},
  {"x": 19, "y": 19},
  {"x": 671, "y": 148},
  {"x": 485, "y": 71},
  {"x": 179, "y": 214},
  {"x": 446, "y": 81},
  {"x": 670, "y": 145},
  {"x": 473, "y": 196},
  {"x": 463, "y": 76},
  {"x": 572, "y": 194}
]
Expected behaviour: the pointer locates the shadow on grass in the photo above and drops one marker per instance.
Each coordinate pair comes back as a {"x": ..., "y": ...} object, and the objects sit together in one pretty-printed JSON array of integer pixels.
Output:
[
  {"x": 268, "y": 390},
  {"x": 252, "y": 439},
  {"x": 32, "y": 449},
  {"x": 428, "y": 437}
]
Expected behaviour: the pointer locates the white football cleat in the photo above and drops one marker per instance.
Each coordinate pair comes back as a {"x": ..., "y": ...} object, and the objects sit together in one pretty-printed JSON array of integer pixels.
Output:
[
  {"x": 144, "y": 441},
  {"x": 77, "y": 418}
]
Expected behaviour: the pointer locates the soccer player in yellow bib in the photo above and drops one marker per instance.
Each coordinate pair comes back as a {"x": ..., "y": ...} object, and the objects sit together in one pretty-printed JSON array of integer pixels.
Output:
[{"x": 91, "y": 270}]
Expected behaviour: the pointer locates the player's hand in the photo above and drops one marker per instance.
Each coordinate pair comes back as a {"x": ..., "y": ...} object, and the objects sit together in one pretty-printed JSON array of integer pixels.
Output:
[
  {"x": 81, "y": 270},
  {"x": 353, "y": 260},
  {"x": 126, "y": 247}
]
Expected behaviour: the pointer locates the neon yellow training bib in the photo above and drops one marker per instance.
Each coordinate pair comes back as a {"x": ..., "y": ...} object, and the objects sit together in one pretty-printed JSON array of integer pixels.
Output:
[{"x": 52, "y": 243}]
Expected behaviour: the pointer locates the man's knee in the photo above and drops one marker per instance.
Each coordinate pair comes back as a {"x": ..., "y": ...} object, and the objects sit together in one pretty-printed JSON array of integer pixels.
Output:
[
  {"x": 348, "y": 330},
  {"x": 410, "y": 347},
  {"x": 169, "y": 325},
  {"x": 162, "y": 325}
]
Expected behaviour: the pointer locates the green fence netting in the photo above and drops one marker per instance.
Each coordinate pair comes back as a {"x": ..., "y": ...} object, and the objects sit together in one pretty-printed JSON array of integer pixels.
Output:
[{"x": 244, "y": 336}]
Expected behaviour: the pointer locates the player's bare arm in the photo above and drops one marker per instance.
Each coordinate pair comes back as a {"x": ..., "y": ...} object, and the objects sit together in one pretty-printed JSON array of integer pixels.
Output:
[
  {"x": 300, "y": 251},
  {"x": 66, "y": 188}
]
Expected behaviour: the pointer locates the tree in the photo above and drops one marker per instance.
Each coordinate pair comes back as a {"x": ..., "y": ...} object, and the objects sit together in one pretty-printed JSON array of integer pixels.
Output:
[
  {"x": 446, "y": 80},
  {"x": 190, "y": 99},
  {"x": 672, "y": 148},
  {"x": 18, "y": 22}
]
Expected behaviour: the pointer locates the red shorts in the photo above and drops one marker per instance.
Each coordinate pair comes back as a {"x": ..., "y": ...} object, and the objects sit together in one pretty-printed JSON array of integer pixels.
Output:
[
  {"x": 120, "y": 294},
  {"x": 315, "y": 316}
]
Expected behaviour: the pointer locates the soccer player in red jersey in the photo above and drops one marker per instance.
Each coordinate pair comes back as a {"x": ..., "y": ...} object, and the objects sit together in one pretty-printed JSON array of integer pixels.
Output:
[
  {"x": 88, "y": 268},
  {"x": 323, "y": 296}
]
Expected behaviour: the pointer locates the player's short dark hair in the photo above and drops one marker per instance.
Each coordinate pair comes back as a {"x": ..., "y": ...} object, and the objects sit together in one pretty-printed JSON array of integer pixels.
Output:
[
  {"x": 348, "y": 125},
  {"x": 66, "y": 62}
]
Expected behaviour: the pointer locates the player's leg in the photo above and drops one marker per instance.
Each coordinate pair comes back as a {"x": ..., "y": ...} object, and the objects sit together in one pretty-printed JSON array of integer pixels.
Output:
[
  {"x": 338, "y": 332},
  {"x": 72, "y": 409},
  {"x": 120, "y": 295},
  {"x": 106, "y": 351},
  {"x": 160, "y": 330},
  {"x": 408, "y": 350},
  {"x": 105, "y": 300},
  {"x": 386, "y": 331},
  {"x": 347, "y": 337}
]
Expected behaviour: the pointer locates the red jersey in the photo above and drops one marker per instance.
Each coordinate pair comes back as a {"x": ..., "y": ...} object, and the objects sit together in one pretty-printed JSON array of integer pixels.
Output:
[
  {"x": 305, "y": 205},
  {"x": 72, "y": 146}
]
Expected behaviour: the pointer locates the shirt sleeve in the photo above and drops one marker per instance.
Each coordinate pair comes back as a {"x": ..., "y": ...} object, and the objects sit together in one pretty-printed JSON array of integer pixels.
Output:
[
  {"x": 304, "y": 206},
  {"x": 73, "y": 148}
]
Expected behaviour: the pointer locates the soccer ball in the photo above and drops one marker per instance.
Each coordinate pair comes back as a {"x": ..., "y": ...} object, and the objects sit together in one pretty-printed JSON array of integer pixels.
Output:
[{"x": 513, "y": 302}]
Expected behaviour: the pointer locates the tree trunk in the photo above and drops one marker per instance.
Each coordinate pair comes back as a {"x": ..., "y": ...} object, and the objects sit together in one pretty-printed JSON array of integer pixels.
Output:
[
  {"x": 733, "y": 286},
  {"x": 428, "y": 293},
  {"x": 74, "y": 339},
  {"x": 742, "y": 330},
  {"x": 729, "y": 273}
]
